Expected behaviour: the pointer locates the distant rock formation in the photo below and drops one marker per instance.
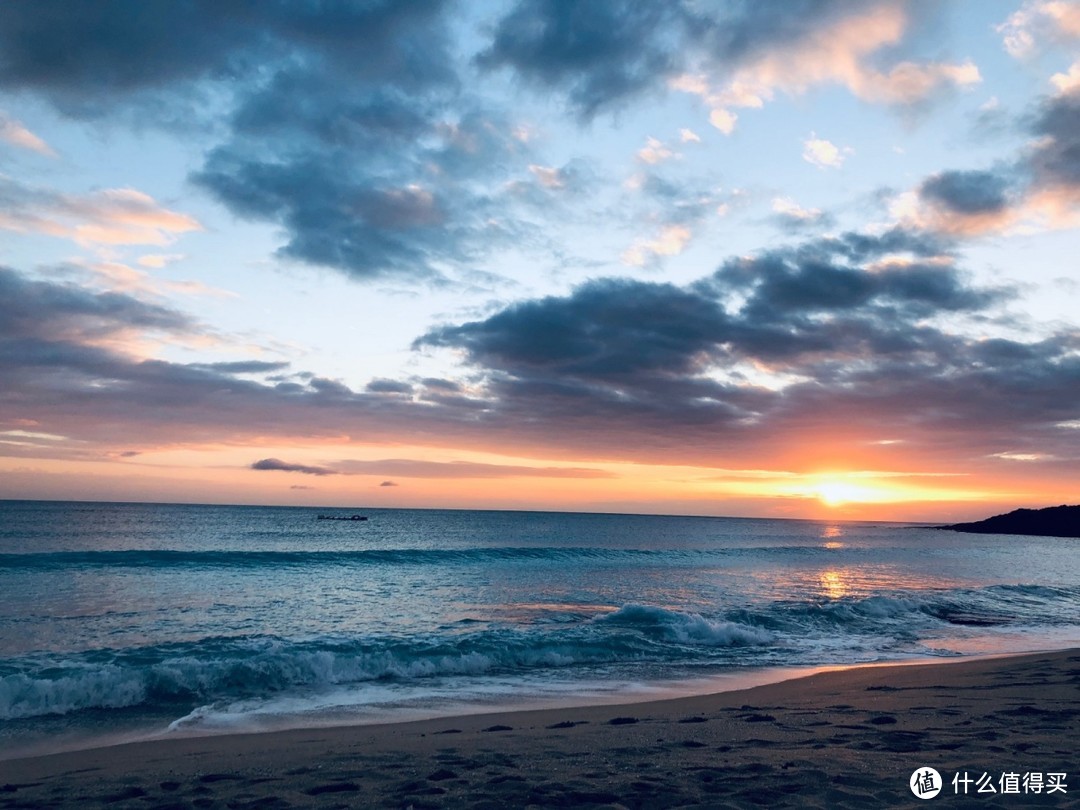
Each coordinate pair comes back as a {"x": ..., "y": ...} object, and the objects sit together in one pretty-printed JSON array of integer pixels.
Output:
[{"x": 1054, "y": 521}]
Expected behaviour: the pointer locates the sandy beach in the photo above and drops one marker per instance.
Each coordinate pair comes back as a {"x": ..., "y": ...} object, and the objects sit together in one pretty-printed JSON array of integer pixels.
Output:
[{"x": 848, "y": 738}]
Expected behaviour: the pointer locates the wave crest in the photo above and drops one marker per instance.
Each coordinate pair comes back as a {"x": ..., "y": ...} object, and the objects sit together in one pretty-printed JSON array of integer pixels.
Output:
[{"x": 687, "y": 628}]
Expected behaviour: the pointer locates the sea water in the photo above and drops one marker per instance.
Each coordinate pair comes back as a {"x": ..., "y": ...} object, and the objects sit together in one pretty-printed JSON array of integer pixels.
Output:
[{"x": 122, "y": 621}]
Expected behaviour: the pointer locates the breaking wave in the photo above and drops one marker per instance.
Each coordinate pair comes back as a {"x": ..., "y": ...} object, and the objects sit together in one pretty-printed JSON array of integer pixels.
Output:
[{"x": 183, "y": 675}]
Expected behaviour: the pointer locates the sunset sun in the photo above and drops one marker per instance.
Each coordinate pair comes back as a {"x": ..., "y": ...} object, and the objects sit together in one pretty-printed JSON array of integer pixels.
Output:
[{"x": 838, "y": 493}]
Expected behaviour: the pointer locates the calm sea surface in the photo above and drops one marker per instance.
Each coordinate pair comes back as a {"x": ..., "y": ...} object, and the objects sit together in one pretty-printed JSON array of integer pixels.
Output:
[{"x": 125, "y": 620}]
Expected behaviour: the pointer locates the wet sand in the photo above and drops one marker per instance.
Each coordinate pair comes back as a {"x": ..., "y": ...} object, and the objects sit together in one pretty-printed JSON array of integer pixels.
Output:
[{"x": 849, "y": 738}]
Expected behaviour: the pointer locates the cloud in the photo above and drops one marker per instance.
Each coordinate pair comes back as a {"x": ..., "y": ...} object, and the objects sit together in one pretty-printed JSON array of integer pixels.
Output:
[
  {"x": 670, "y": 211},
  {"x": 661, "y": 338},
  {"x": 832, "y": 326},
  {"x": 427, "y": 198},
  {"x": 290, "y": 94},
  {"x": 119, "y": 216},
  {"x": 598, "y": 54},
  {"x": 295, "y": 93},
  {"x": 42, "y": 313},
  {"x": 547, "y": 176},
  {"x": 159, "y": 260},
  {"x": 723, "y": 120},
  {"x": 389, "y": 484},
  {"x": 970, "y": 193},
  {"x": 283, "y": 466},
  {"x": 1039, "y": 22},
  {"x": 1052, "y": 162},
  {"x": 671, "y": 241},
  {"x": 821, "y": 43},
  {"x": 81, "y": 57},
  {"x": 14, "y": 133},
  {"x": 410, "y": 468},
  {"x": 963, "y": 202},
  {"x": 1023, "y": 457},
  {"x": 813, "y": 345},
  {"x": 244, "y": 366},
  {"x": 689, "y": 136},
  {"x": 1039, "y": 188},
  {"x": 792, "y": 217},
  {"x": 824, "y": 154},
  {"x": 380, "y": 386},
  {"x": 654, "y": 151},
  {"x": 1067, "y": 82}
]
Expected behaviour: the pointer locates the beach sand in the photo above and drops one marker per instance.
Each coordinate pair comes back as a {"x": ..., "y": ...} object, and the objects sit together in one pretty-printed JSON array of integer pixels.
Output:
[{"x": 849, "y": 738}]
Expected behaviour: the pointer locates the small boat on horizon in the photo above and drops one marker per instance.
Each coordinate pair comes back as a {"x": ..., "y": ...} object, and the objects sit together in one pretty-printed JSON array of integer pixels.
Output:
[{"x": 337, "y": 517}]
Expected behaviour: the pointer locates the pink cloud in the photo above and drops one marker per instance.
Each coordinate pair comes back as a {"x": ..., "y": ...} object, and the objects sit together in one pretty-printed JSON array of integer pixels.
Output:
[
  {"x": 671, "y": 241},
  {"x": 835, "y": 54},
  {"x": 118, "y": 216},
  {"x": 14, "y": 133}
]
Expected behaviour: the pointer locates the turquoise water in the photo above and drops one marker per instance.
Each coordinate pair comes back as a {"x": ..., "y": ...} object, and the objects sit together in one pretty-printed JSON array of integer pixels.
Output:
[{"x": 145, "y": 618}]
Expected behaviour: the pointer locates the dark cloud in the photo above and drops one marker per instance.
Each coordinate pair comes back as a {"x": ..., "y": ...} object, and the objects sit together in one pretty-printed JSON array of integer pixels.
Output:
[
  {"x": 245, "y": 367},
  {"x": 345, "y": 123},
  {"x": 638, "y": 337},
  {"x": 733, "y": 33},
  {"x": 967, "y": 192},
  {"x": 423, "y": 198},
  {"x": 1041, "y": 182},
  {"x": 618, "y": 369},
  {"x": 1055, "y": 160},
  {"x": 87, "y": 56},
  {"x": 410, "y": 468},
  {"x": 277, "y": 464},
  {"x": 84, "y": 55},
  {"x": 47, "y": 312},
  {"x": 389, "y": 484},
  {"x": 859, "y": 247},
  {"x": 441, "y": 384},
  {"x": 602, "y": 53},
  {"x": 855, "y": 333},
  {"x": 332, "y": 219},
  {"x": 606, "y": 328},
  {"x": 783, "y": 286},
  {"x": 382, "y": 386},
  {"x": 597, "y": 53}
]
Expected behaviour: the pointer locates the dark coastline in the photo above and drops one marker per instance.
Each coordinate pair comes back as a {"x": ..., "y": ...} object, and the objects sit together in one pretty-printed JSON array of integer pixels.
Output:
[{"x": 1054, "y": 521}]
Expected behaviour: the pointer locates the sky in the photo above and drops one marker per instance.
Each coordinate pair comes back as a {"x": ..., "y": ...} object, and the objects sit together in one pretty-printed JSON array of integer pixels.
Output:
[{"x": 809, "y": 259}]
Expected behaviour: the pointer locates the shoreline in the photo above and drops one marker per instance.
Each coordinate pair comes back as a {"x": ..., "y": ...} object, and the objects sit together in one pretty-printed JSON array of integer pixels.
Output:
[
  {"x": 849, "y": 737},
  {"x": 629, "y": 695}
]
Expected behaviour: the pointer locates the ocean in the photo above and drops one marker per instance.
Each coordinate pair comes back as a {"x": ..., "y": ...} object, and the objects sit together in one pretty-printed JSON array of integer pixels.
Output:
[{"x": 132, "y": 621}]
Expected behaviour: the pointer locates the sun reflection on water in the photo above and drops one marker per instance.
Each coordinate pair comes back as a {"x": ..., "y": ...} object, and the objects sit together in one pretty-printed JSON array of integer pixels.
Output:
[{"x": 833, "y": 584}]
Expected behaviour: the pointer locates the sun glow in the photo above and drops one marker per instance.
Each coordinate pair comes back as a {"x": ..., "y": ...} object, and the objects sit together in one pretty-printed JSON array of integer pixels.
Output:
[{"x": 838, "y": 493}]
